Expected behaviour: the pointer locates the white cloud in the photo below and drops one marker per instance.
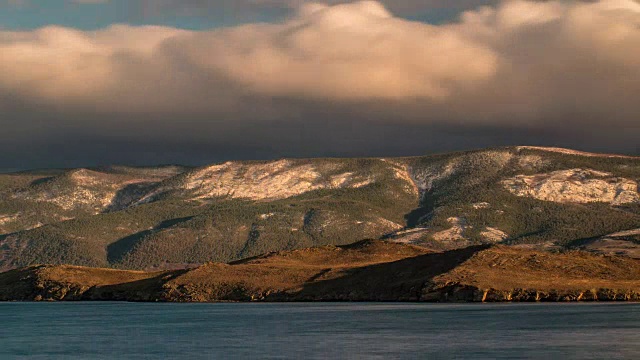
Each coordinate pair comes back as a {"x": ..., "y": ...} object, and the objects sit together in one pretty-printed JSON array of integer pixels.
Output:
[{"x": 521, "y": 62}]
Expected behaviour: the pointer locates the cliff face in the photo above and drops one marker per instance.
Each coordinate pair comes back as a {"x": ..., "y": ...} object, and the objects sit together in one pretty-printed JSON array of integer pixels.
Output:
[{"x": 365, "y": 271}]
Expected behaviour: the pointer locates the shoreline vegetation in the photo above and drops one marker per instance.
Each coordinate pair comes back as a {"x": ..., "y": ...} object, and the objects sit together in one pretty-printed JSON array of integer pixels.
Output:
[{"x": 371, "y": 270}]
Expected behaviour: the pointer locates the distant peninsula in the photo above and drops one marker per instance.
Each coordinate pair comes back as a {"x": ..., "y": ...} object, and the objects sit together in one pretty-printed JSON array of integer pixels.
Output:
[{"x": 365, "y": 271}]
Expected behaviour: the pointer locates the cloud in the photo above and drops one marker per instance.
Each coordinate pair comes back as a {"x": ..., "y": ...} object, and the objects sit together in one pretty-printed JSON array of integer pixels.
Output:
[
  {"x": 239, "y": 7},
  {"x": 352, "y": 52},
  {"x": 200, "y": 7},
  {"x": 565, "y": 68}
]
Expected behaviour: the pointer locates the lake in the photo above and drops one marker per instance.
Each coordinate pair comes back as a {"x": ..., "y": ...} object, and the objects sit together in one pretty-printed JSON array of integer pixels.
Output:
[{"x": 319, "y": 331}]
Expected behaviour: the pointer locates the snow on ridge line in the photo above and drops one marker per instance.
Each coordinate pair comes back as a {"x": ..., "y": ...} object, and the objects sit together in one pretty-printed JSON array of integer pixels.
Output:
[
  {"x": 631, "y": 232},
  {"x": 576, "y": 152}
]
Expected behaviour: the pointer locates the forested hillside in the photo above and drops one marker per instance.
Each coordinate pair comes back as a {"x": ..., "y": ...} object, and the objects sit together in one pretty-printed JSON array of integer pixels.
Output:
[{"x": 172, "y": 216}]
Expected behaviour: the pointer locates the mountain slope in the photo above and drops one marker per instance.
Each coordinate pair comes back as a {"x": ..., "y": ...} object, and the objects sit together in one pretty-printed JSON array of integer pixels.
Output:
[{"x": 168, "y": 217}]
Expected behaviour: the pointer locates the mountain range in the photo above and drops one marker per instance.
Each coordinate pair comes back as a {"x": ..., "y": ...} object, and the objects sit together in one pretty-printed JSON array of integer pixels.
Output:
[{"x": 177, "y": 217}]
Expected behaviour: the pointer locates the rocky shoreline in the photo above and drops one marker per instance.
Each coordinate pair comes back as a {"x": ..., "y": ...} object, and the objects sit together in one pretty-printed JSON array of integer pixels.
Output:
[{"x": 451, "y": 294}]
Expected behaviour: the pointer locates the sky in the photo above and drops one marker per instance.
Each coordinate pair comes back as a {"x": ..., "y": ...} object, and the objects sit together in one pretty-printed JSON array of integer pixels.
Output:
[{"x": 144, "y": 82}]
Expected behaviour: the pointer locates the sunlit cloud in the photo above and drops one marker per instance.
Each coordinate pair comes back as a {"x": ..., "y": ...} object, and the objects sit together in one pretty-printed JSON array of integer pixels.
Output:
[{"x": 536, "y": 65}]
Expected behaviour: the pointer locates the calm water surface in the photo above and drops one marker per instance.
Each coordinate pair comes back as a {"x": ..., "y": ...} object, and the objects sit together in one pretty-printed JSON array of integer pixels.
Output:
[{"x": 318, "y": 331}]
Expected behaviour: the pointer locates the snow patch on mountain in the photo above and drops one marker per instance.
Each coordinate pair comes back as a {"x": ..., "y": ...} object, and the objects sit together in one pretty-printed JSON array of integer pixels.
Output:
[
  {"x": 426, "y": 177},
  {"x": 494, "y": 235},
  {"x": 86, "y": 189},
  {"x": 574, "y": 152},
  {"x": 575, "y": 185},
  {"x": 268, "y": 181},
  {"x": 455, "y": 232},
  {"x": 8, "y": 218},
  {"x": 403, "y": 172},
  {"x": 481, "y": 205}
]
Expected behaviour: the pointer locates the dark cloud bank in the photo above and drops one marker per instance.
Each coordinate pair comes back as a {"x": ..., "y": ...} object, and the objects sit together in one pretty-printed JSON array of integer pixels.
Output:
[{"x": 345, "y": 80}]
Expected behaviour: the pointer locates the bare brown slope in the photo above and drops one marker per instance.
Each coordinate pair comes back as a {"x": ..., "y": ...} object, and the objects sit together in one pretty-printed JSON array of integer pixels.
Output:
[
  {"x": 80, "y": 283},
  {"x": 283, "y": 276},
  {"x": 366, "y": 271}
]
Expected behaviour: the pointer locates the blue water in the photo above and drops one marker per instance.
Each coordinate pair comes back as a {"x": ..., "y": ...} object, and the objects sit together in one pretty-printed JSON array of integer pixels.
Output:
[{"x": 318, "y": 331}]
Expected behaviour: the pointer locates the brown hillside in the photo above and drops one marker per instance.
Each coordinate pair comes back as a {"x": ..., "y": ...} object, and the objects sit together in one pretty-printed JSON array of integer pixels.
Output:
[{"x": 366, "y": 271}]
